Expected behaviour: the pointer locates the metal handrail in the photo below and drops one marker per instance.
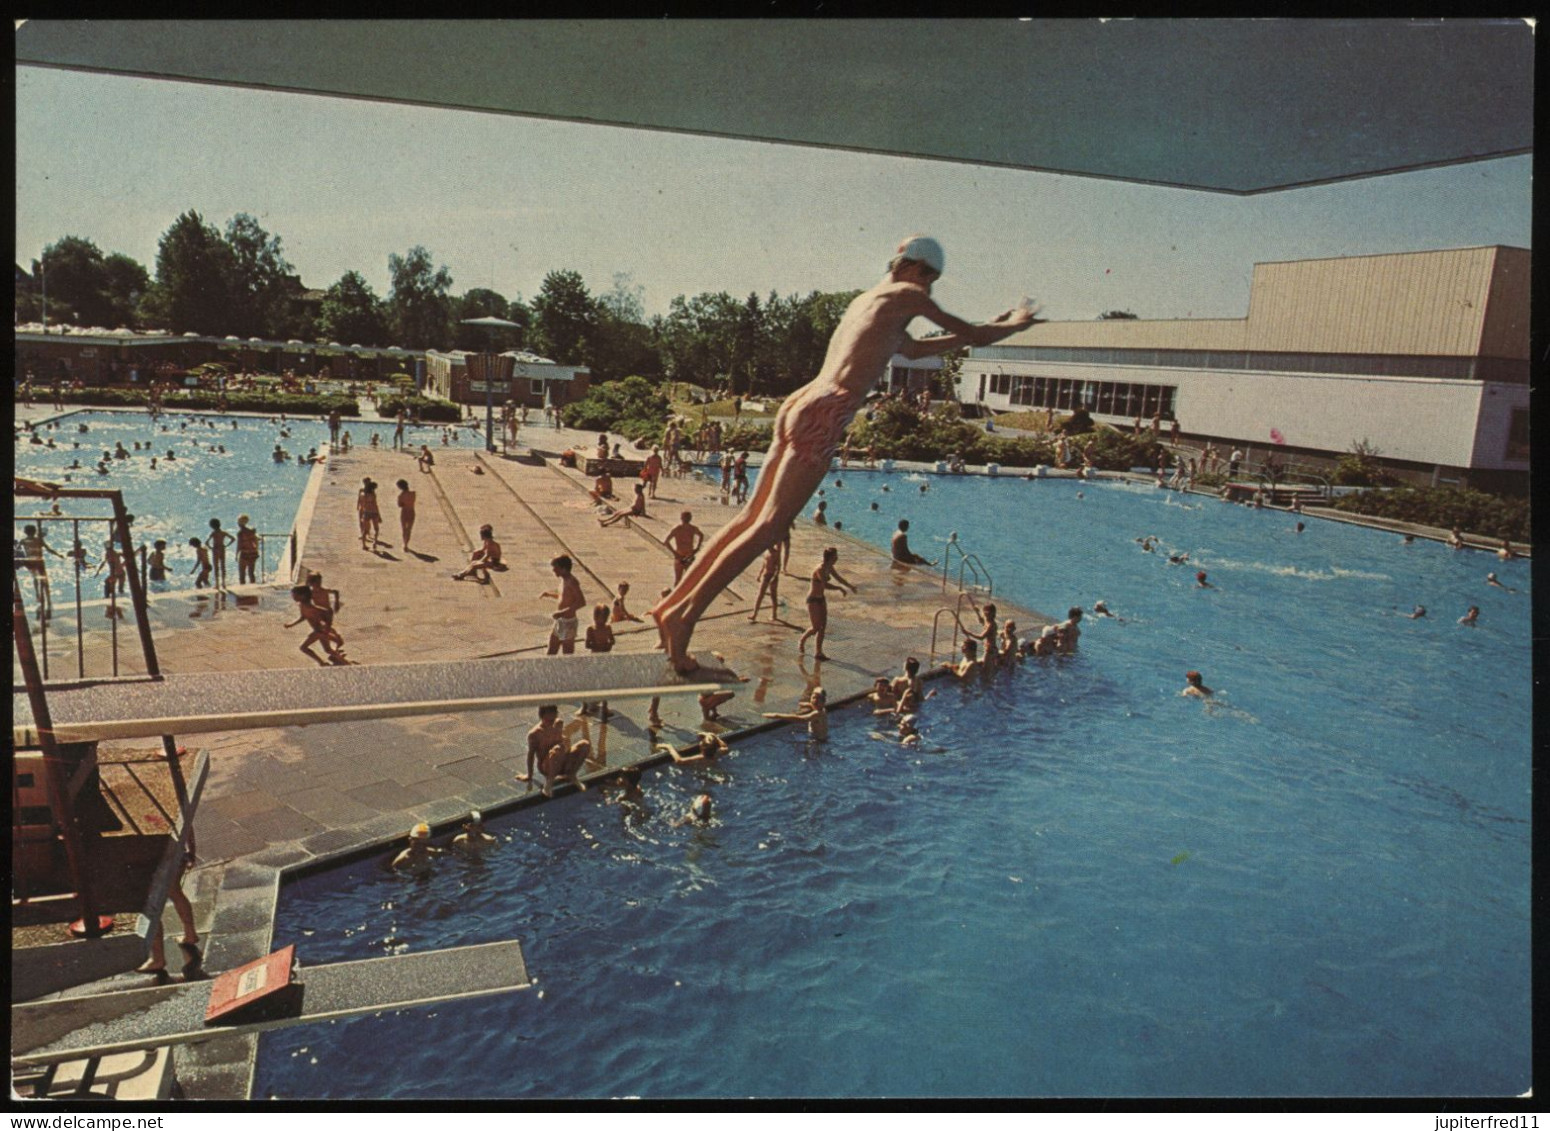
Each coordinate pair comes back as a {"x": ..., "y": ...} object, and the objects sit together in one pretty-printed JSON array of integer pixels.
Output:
[
  {"x": 974, "y": 563},
  {"x": 957, "y": 611}
]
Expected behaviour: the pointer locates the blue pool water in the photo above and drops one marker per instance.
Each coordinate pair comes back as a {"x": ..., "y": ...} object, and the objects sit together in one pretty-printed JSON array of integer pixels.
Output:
[
  {"x": 176, "y": 501},
  {"x": 1084, "y": 885}
]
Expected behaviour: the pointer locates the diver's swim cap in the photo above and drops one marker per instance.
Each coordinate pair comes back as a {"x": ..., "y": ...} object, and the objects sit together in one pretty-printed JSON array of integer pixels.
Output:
[
  {"x": 924, "y": 249},
  {"x": 422, "y": 831}
]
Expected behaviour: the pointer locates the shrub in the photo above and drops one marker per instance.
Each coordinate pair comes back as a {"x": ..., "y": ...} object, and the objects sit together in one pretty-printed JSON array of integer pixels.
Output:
[
  {"x": 292, "y": 404},
  {"x": 633, "y": 407},
  {"x": 1113, "y": 450},
  {"x": 1447, "y": 507},
  {"x": 443, "y": 411}
]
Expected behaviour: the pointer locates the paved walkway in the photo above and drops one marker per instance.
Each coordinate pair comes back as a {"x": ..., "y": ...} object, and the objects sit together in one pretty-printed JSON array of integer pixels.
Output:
[{"x": 279, "y": 798}]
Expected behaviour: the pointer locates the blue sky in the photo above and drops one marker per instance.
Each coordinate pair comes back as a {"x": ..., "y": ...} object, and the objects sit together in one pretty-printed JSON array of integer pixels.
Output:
[{"x": 501, "y": 201}]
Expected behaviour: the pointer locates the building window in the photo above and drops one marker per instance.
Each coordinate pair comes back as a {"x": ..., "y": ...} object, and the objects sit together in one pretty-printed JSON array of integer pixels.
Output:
[
  {"x": 1517, "y": 435},
  {"x": 537, "y": 386}
]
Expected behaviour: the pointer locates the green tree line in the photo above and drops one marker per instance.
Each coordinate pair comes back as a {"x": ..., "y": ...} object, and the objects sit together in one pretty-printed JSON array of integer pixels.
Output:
[{"x": 236, "y": 281}]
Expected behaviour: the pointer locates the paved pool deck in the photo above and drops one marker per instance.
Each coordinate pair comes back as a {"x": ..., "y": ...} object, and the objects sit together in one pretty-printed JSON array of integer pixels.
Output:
[{"x": 281, "y": 799}]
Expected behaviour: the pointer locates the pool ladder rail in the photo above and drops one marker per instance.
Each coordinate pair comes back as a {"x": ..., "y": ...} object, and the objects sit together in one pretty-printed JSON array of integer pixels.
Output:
[{"x": 966, "y": 560}]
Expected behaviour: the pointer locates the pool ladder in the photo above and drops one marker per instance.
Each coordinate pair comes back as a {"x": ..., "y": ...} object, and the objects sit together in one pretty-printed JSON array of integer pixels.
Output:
[
  {"x": 966, "y": 561},
  {"x": 956, "y": 611}
]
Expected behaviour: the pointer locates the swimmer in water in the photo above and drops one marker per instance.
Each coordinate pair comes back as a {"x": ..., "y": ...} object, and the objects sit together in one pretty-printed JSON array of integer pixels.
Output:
[
  {"x": 1490, "y": 579},
  {"x": 1194, "y": 688},
  {"x": 1201, "y": 582},
  {"x": 1472, "y": 617},
  {"x": 814, "y": 711},
  {"x": 811, "y": 422},
  {"x": 1101, "y": 609},
  {"x": 415, "y": 859},
  {"x": 473, "y": 840},
  {"x": 1420, "y": 611},
  {"x": 698, "y": 813}
]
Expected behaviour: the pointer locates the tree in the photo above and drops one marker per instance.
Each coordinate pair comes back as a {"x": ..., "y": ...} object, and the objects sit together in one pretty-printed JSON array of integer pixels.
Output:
[
  {"x": 419, "y": 310},
  {"x": 564, "y": 316},
  {"x": 699, "y": 337},
  {"x": 128, "y": 283},
  {"x": 626, "y": 302},
  {"x": 480, "y": 302},
  {"x": 353, "y": 313},
  {"x": 193, "y": 273},
  {"x": 75, "y": 278},
  {"x": 262, "y": 285}
]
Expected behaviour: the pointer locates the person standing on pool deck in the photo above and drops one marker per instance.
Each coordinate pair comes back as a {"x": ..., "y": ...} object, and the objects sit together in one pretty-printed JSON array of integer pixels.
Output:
[
  {"x": 366, "y": 508},
  {"x": 769, "y": 582},
  {"x": 247, "y": 551},
  {"x": 405, "y": 510},
  {"x": 818, "y": 604},
  {"x": 398, "y": 431},
  {"x": 201, "y": 564},
  {"x": 562, "y": 638},
  {"x": 811, "y": 422},
  {"x": 685, "y": 541},
  {"x": 218, "y": 541}
]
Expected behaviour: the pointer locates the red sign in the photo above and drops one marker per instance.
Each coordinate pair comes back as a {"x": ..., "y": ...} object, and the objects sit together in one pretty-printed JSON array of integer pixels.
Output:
[{"x": 237, "y": 989}]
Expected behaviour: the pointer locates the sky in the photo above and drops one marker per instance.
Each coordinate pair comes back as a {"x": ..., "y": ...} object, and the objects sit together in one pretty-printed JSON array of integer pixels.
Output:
[{"x": 501, "y": 201}]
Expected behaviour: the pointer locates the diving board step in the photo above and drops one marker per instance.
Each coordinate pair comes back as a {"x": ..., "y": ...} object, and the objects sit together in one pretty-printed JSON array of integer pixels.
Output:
[
  {"x": 103, "y": 1024},
  {"x": 202, "y": 702}
]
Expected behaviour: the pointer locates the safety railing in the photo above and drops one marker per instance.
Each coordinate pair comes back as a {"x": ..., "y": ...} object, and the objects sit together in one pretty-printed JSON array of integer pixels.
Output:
[
  {"x": 956, "y": 611},
  {"x": 966, "y": 561},
  {"x": 33, "y": 547}
]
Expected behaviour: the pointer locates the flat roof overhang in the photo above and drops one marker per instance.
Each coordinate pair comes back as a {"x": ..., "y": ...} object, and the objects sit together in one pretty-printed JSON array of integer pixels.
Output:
[{"x": 1227, "y": 105}]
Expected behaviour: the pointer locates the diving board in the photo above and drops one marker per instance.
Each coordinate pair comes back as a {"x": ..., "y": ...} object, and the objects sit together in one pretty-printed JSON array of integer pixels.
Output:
[
  {"x": 103, "y": 1024},
  {"x": 203, "y": 702}
]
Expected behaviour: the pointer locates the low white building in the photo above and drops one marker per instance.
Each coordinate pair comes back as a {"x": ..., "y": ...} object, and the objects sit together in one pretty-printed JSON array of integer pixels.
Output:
[{"x": 1422, "y": 355}]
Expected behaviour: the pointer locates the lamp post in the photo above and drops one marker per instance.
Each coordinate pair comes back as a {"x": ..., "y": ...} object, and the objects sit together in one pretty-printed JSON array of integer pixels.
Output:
[{"x": 489, "y": 366}]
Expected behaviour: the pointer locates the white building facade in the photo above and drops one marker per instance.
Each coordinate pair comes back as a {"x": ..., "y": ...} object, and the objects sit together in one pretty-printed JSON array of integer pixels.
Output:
[{"x": 1421, "y": 355}]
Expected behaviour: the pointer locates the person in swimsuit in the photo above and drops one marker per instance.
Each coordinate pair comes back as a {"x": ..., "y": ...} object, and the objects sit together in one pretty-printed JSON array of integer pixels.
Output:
[
  {"x": 620, "y": 614},
  {"x": 247, "y": 551},
  {"x": 818, "y": 603},
  {"x": 563, "y": 636},
  {"x": 405, "y": 510},
  {"x": 366, "y": 509},
  {"x": 637, "y": 509},
  {"x": 484, "y": 559},
  {"x": 769, "y": 582},
  {"x": 685, "y": 541},
  {"x": 811, "y": 422}
]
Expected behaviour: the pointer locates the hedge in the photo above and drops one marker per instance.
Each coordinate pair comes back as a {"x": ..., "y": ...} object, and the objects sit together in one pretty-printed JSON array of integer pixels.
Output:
[
  {"x": 442, "y": 411},
  {"x": 1448, "y": 508},
  {"x": 261, "y": 401}
]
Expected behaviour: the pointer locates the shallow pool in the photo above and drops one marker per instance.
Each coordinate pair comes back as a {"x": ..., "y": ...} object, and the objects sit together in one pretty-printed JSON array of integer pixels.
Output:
[
  {"x": 176, "y": 500},
  {"x": 1084, "y": 885}
]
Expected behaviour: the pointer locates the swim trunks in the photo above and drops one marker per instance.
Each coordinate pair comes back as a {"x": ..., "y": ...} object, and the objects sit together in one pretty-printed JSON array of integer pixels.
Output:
[
  {"x": 813, "y": 425},
  {"x": 565, "y": 629}
]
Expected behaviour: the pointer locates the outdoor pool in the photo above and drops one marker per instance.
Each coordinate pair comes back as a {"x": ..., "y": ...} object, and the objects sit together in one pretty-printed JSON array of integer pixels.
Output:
[
  {"x": 1082, "y": 885},
  {"x": 177, "y": 499}
]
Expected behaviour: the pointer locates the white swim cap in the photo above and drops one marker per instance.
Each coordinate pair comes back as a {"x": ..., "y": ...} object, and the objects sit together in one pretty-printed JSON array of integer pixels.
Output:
[{"x": 924, "y": 249}]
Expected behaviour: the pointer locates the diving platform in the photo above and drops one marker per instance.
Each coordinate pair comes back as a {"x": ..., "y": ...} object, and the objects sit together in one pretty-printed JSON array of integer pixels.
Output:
[
  {"x": 106, "y": 1024},
  {"x": 204, "y": 702}
]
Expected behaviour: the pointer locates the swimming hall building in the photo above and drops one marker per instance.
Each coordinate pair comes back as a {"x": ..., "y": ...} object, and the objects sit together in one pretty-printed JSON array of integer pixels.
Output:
[{"x": 1421, "y": 355}]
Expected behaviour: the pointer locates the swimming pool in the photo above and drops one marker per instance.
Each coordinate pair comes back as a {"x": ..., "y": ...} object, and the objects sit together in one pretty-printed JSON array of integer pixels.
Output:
[
  {"x": 177, "y": 499},
  {"x": 1084, "y": 885}
]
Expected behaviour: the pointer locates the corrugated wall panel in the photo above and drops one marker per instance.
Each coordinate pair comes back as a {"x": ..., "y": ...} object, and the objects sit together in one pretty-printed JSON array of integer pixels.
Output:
[
  {"x": 1120, "y": 333},
  {"x": 1506, "y": 325},
  {"x": 1417, "y": 303}
]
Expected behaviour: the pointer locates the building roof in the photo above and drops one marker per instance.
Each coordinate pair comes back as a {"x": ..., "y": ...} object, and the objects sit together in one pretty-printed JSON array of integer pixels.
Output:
[{"x": 1459, "y": 302}]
